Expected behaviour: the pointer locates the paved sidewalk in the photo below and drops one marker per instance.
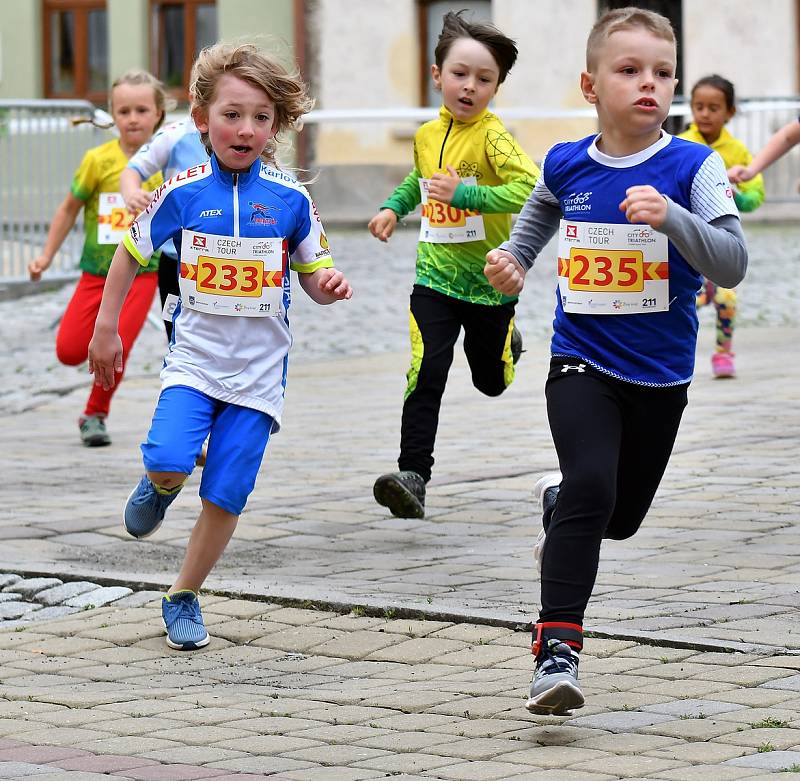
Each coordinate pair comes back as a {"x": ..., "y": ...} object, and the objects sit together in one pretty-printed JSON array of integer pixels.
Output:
[
  {"x": 301, "y": 694},
  {"x": 695, "y": 620}
]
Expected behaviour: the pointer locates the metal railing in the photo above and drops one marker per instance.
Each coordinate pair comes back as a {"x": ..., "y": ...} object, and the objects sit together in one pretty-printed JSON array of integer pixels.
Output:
[{"x": 40, "y": 150}]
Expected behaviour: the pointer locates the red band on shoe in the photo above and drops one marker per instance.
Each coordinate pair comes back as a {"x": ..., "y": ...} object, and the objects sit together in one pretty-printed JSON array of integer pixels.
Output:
[{"x": 571, "y": 634}]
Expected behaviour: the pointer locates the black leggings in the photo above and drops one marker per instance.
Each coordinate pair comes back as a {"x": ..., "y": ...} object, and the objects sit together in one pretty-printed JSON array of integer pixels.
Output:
[
  {"x": 436, "y": 322},
  {"x": 167, "y": 283},
  {"x": 613, "y": 440}
]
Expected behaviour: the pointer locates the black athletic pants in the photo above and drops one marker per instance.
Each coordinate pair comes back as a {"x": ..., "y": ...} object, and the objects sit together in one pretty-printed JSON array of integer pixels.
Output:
[
  {"x": 167, "y": 283},
  {"x": 436, "y": 322},
  {"x": 613, "y": 440}
]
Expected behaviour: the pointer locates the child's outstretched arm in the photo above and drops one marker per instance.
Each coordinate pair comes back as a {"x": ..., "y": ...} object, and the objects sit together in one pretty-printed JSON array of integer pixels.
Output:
[
  {"x": 63, "y": 220},
  {"x": 717, "y": 249},
  {"x": 326, "y": 285},
  {"x": 507, "y": 265},
  {"x": 382, "y": 225},
  {"x": 130, "y": 187},
  {"x": 402, "y": 201},
  {"x": 777, "y": 146},
  {"x": 105, "y": 348}
]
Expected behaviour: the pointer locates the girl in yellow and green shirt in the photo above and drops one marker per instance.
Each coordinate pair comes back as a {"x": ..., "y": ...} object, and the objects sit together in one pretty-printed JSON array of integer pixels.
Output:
[
  {"x": 713, "y": 104},
  {"x": 138, "y": 102}
]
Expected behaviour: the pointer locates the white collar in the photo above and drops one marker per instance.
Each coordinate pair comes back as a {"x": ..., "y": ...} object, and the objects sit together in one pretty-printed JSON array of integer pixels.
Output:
[{"x": 628, "y": 160}]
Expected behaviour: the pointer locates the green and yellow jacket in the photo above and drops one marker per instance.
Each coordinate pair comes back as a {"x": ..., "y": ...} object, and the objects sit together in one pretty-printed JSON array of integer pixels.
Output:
[{"x": 483, "y": 148}]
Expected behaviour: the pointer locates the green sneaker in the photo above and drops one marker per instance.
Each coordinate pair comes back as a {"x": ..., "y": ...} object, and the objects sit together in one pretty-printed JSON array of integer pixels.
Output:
[{"x": 93, "y": 431}]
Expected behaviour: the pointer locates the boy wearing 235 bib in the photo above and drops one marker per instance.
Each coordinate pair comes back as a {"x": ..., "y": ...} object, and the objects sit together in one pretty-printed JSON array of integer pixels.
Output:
[
  {"x": 641, "y": 216},
  {"x": 470, "y": 176}
]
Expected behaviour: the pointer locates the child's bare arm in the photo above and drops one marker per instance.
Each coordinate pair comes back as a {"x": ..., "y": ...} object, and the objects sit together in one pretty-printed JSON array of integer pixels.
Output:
[
  {"x": 63, "y": 220},
  {"x": 130, "y": 187},
  {"x": 382, "y": 225},
  {"x": 326, "y": 285},
  {"x": 777, "y": 146},
  {"x": 105, "y": 348},
  {"x": 504, "y": 272}
]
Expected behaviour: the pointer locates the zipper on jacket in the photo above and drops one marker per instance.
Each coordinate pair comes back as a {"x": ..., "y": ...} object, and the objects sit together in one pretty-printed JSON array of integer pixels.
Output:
[
  {"x": 441, "y": 151},
  {"x": 236, "y": 206}
]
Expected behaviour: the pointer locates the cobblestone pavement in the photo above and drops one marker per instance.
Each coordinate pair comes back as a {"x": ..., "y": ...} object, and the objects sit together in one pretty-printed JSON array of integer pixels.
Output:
[
  {"x": 300, "y": 694},
  {"x": 698, "y": 611}
]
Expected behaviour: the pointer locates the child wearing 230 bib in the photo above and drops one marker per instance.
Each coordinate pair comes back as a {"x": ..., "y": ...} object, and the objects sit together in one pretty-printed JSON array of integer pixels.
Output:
[
  {"x": 235, "y": 222},
  {"x": 470, "y": 175},
  {"x": 641, "y": 216}
]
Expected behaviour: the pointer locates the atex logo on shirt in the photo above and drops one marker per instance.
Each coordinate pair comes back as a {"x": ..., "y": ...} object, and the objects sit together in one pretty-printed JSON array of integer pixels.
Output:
[{"x": 211, "y": 213}]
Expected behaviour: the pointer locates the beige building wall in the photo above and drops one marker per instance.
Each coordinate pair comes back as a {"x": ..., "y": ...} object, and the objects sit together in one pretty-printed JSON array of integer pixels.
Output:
[
  {"x": 368, "y": 58},
  {"x": 21, "y": 49},
  {"x": 752, "y": 44},
  {"x": 128, "y": 36},
  {"x": 267, "y": 23}
]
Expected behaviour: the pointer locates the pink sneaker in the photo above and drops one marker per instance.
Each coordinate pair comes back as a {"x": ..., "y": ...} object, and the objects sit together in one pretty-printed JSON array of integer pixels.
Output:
[{"x": 722, "y": 365}]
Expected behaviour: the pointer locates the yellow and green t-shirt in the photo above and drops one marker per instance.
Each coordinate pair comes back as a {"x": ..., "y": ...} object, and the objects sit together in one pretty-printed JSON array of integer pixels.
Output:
[
  {"x": 505, "y": 175},
  {"x": 98, "y": 173},
  {"x": 748, "y": 195}
]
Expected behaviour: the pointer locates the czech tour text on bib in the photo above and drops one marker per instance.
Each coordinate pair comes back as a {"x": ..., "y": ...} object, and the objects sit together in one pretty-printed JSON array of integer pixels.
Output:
[
  {"x": 238, "y": 277},
  {"x": 612, "y": 269}
]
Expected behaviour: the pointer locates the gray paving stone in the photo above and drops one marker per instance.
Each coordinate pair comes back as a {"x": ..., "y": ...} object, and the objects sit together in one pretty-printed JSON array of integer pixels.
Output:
[
  {"x": 621, "y": 721},
  {"x": 30, "y": 586},
  {"x": 12, "y": 610},
  {"x": 46, "y": 613},
  {"x": 10, "y": 596},
  {"x": 99, "y": 597},
  {"x": 8, "y": 579},
  {"x": 58, "y": 594},
  {"x": 768, "y": 760},
  {"x": 22, "y": 769},
  {"x": 693, "y": 708}
]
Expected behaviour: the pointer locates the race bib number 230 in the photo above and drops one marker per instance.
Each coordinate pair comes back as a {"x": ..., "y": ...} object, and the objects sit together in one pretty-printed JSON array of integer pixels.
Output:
[{"x": 612, "y": 269}]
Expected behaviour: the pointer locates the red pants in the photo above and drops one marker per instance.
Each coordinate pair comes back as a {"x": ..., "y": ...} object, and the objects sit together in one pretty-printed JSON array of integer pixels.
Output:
[{"x": 77, "y": 327}]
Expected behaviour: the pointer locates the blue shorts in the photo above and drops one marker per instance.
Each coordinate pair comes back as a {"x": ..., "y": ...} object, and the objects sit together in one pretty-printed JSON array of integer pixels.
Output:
[{"x": 184, "y": 417}]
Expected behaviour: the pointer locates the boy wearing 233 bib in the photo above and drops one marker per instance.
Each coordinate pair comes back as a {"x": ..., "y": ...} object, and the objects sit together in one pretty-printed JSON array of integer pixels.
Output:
[
  {"x": 469, "y": 175},
  {"x": 641, "y": 216}
]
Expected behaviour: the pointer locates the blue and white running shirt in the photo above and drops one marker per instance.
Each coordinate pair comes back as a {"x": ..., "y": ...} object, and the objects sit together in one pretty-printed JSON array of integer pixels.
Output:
[
  {"x": 174, "y": 148},
  {"x": 240, "y": 360},
  {"x": 656, "y": 348}
]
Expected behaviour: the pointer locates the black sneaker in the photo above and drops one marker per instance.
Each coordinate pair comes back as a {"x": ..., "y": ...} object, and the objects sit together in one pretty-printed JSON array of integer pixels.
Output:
[
  {"x": 554, "y": 688},
  {"x": 516, "y": 344},
  {"x": 402, "y": 492}
]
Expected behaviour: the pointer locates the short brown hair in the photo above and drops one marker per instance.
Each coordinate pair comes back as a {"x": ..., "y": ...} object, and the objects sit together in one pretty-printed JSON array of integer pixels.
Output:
[
  {"x": 625, "y": 19},
  {"x": 247, "y": 62},
  {"x": 454, "y": 26}
]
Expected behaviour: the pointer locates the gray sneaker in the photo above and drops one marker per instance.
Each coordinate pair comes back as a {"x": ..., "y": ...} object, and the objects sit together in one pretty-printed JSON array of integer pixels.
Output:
[
  {"x": 554, "y": 689},
  {"x": 545, "y": 492},
  {"x": 93, "y": 431},
  {"x": 402, "y": 492}
]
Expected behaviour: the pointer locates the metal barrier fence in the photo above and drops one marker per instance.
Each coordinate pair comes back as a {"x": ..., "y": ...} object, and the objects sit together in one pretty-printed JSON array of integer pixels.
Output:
[
  {"x": 39, "y": 152},
  {"x": 40, "y": 149}
]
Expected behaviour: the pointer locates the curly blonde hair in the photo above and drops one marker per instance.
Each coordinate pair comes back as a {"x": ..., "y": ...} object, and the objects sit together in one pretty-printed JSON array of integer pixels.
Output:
[{"x": 245, "y": 61}]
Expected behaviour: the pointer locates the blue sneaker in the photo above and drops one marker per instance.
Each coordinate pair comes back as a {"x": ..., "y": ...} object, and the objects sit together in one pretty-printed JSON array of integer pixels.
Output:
[
  {"x": 183, "y": 621},
  {"x": 145, "y": 509}
]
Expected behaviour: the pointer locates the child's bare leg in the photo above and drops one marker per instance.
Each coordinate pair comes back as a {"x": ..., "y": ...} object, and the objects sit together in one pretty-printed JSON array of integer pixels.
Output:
[{"x": 208, "y": 540}]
